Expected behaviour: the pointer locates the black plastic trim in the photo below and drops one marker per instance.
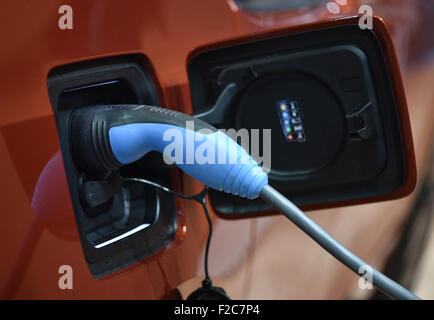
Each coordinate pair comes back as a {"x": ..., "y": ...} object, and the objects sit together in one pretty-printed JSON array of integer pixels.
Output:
[{"x": 160, "y": 209}]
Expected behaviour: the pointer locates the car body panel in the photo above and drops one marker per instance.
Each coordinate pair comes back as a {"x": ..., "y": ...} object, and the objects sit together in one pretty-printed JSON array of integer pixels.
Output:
[{"x": 39, "y": 237}]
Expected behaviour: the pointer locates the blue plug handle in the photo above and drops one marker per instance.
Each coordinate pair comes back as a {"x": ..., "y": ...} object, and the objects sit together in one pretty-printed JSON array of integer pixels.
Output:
[{"x": 212, "y": 158}]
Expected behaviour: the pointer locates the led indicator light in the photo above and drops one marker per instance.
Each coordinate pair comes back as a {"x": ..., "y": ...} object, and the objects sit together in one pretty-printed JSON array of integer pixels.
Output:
[
  {"x": 300, "y": 136},
  {"x": 291, "y": 120}
]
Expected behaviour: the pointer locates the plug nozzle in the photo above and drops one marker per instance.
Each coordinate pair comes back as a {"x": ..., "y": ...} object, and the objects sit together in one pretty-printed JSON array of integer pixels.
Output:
[{"x": 106, "y": 137}]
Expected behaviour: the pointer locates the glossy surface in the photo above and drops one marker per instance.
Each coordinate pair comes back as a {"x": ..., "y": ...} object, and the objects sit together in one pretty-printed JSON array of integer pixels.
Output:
[{"x": 39, "y": 237}]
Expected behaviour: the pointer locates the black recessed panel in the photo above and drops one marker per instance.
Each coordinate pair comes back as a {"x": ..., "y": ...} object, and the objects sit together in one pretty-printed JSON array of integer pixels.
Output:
[{"x": 339, "y": 141}]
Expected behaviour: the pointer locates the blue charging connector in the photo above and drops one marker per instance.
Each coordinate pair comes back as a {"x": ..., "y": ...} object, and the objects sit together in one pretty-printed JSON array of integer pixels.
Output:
[{"x": 217, "y": 161}]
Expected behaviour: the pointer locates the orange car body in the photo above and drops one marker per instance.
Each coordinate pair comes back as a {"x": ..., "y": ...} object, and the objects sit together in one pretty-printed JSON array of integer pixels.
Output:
[{"x": 39, "y": 233}]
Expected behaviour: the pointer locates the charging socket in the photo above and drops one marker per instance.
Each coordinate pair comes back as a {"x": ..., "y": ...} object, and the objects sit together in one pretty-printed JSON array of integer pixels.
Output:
[{"x": 119, "y": 222}]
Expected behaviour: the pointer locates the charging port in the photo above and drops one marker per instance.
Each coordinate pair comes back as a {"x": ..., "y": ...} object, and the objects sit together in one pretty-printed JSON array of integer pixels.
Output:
[{"x": 120, "y": 222}]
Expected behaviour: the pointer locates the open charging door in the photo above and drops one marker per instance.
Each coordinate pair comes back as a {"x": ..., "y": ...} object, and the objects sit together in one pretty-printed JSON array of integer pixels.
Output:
[{"x": 332, "y": 95}]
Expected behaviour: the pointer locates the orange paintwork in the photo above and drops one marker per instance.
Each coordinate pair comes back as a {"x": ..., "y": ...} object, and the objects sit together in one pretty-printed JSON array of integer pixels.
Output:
[{"x": 37, "y": 238}]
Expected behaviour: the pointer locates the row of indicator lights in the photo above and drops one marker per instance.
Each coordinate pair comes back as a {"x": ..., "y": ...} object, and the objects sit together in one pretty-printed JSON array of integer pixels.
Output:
[{"x": 287, "y": 120}]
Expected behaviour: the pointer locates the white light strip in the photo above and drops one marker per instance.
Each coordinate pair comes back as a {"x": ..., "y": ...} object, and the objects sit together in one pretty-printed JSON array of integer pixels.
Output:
[
  {"x": 122, "y": 236},
  {"x": 91, "y": 85}
]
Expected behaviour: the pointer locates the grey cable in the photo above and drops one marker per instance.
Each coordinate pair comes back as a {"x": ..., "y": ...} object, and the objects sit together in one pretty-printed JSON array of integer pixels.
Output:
[{"x": 330, "y": 244}]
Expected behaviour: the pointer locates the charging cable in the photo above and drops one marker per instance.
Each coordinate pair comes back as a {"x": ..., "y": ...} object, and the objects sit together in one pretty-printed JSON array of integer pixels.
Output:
[
  {"x": 107, "y": 137},
  {"x": 331, "y": 245}
]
